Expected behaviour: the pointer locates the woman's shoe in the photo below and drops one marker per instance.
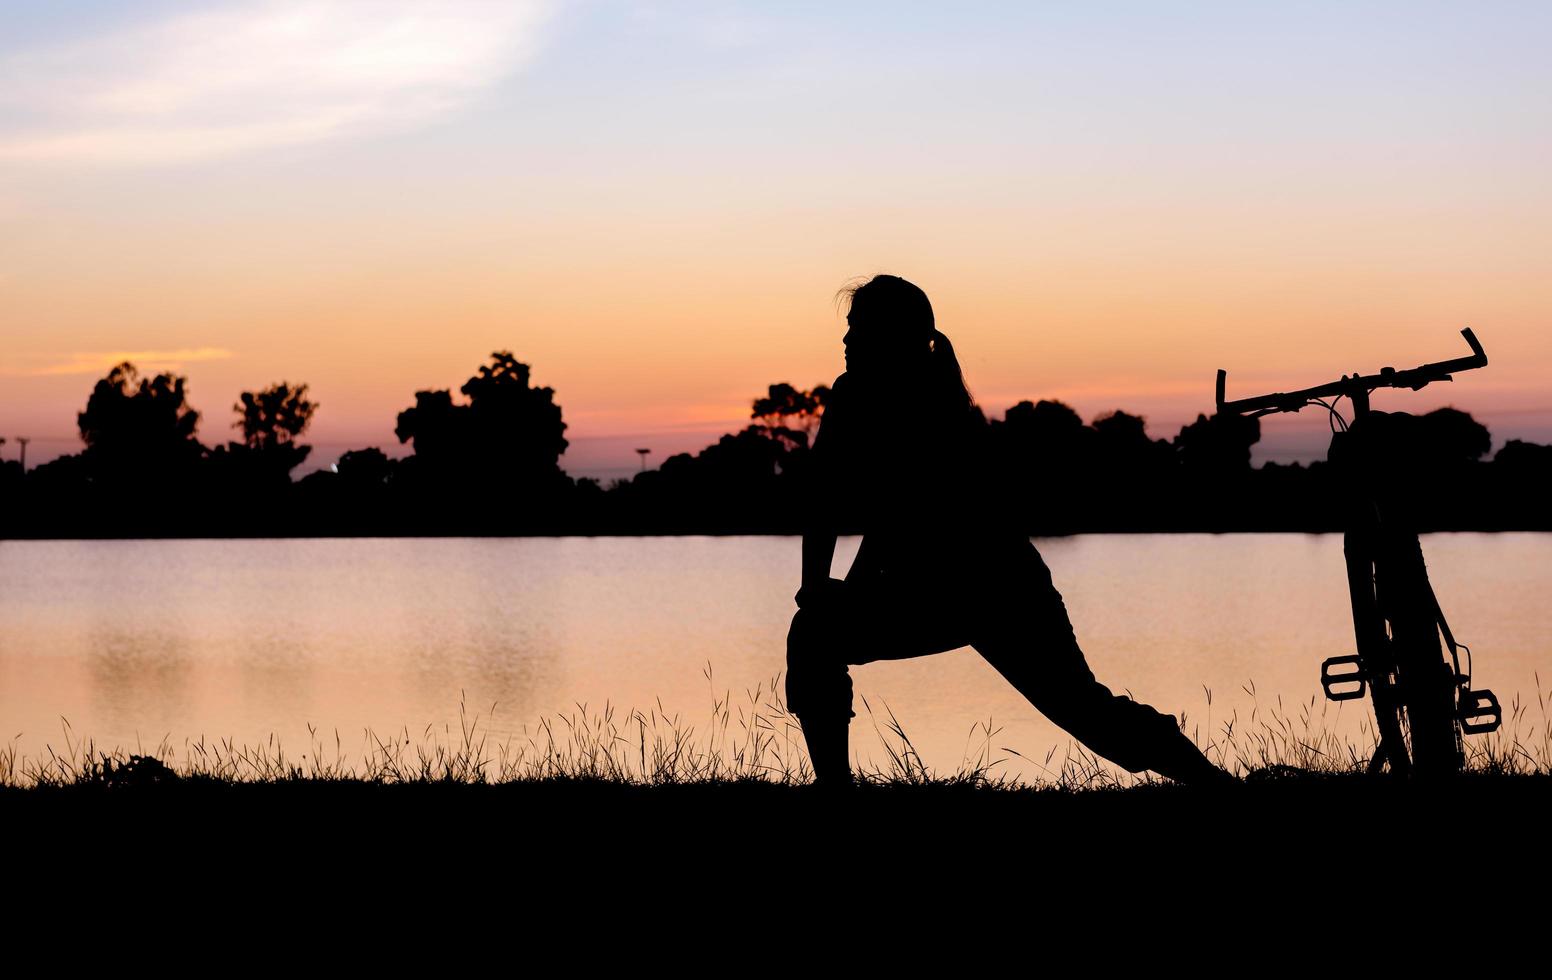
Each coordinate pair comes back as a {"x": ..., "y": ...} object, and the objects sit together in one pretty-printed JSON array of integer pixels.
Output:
[
  {"x": 1183, "y": 762},
  {"x": 828, "y": 748}
]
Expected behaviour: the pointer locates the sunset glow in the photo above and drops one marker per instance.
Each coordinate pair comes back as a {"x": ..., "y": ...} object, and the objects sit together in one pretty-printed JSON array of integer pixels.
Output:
[{"x": 655, "y": 205}]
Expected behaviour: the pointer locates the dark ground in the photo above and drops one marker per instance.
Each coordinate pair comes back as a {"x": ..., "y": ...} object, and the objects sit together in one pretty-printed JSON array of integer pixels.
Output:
[
  {"x": 1277, "y": 875},
  {"x": 575, "y": 826}
]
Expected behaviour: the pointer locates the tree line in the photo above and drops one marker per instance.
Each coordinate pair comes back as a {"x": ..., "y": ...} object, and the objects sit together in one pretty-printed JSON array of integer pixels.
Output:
[{"x": 489, "y": 463}]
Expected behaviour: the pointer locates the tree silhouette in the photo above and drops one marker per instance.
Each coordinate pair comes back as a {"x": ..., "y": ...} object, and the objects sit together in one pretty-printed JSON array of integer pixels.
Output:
[
  {"x": 1047, "y": 434},
  {"x": 10, "y": 473},
  {"x": 509, "y": 437},
  {"x": 1123, "y": 447},
  {"x": 1454, "y": 436},
  {"x": 1217, "y": 445},
  {"x": 139, "y": 431},
  {"x": 1043, "y": 454},
  {"x": 1122, "y": 432},
  {"x": 1519, "y": 456},
  {"x": 734, "y": 483},
  {"x": 364, "y": 467},
  {"x": 270, "y": 420},
  {"x": 434, "y": 426},
  {"x": 274, "y": 416},
  {"x": 490, "y": 464},
  {"x": 790, "y": 414},
  {"x": 521, "y": 424},
  {"x": 745, "y": 479}
]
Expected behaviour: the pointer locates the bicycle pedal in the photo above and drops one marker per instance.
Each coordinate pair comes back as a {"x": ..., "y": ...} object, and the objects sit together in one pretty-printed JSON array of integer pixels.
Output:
[
  {"x": 1329, "y": 680},
  {"x": 1479, "y": 712}
]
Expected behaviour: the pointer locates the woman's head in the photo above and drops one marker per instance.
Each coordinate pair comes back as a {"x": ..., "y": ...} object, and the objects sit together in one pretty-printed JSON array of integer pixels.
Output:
[
  {"x": 889, "y": 326},
  {"x": 892, "y": 339}
]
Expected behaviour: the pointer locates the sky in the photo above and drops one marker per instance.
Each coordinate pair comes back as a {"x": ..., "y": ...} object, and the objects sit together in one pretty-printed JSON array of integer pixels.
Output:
[{"x": 653, "y": 205}]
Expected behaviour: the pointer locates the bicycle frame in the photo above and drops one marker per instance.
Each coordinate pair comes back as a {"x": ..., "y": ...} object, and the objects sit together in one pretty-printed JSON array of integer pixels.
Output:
[{"x": 1397, "y": 620}]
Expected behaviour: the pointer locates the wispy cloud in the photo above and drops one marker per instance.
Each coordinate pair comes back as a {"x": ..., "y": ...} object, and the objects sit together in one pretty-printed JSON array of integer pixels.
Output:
[
  {"x": 219, "y": 82},
  {"x": 100, "y": 362}
]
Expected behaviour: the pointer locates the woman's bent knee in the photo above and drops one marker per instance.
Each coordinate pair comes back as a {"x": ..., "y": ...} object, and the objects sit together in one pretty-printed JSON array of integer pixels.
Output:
[{"x": 817, "y": 677}]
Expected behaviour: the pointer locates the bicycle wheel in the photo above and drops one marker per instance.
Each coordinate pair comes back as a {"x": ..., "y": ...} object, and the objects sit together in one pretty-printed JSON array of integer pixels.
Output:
[
  {"x": 1424, "y": 682},
  {"x": 1378, "y": 667}
]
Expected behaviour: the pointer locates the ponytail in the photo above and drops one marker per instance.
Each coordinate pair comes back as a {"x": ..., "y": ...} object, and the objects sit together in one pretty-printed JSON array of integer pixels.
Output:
[
  {"x": 948, "y": 377},
  {"x": 900, "y": 306}
]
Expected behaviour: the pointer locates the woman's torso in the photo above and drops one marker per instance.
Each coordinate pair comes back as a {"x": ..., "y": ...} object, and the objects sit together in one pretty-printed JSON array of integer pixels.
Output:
[{"x": 923, "y": 489}]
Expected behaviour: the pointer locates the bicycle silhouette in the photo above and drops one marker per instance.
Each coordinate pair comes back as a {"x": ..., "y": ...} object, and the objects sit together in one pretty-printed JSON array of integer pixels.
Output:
[{"x": 1424, "y": 704}]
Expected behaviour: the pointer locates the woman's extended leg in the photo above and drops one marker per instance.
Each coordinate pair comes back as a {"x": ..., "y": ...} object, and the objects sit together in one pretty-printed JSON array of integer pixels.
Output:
[
  {"x": 1028, "y": 637},
  {"x": 866, "y": 621}
]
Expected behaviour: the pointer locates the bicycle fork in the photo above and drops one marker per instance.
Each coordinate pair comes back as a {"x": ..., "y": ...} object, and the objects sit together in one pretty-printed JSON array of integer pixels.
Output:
[{"x": 1402, "y": 665}]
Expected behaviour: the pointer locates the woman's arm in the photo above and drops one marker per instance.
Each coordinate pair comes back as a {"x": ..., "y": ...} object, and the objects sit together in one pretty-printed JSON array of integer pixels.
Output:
[
  {"x": 820, "y": 496},
  {"x": 818, "y": 554},
  {"x": 866, "y": 562}
]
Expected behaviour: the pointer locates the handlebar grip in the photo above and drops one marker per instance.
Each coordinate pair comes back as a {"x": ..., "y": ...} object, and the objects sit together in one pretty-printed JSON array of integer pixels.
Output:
[
  {"x": 1476, "y": 346},
  {"x": 1222, "y": 376}
]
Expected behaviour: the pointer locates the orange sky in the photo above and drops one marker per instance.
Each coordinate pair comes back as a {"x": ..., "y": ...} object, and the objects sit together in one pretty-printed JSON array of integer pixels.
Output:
[{"x": 655, "y": 210}]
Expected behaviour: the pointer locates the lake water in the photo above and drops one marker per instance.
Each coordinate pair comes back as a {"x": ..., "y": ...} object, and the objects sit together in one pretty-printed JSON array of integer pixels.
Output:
[{"x": 137, "y": 642}]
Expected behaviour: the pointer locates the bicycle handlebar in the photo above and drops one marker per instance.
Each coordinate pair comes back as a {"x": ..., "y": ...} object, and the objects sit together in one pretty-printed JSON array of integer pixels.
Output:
[{"x": 1414, "y": 378}]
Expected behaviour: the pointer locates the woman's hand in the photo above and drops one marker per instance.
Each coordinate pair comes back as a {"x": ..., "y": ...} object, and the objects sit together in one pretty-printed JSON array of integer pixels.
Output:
[{"x": 820, "y": 593}]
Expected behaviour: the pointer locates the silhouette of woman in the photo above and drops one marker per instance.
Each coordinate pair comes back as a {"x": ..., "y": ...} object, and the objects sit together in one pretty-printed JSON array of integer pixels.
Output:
[{"x": 901, "y": 450}]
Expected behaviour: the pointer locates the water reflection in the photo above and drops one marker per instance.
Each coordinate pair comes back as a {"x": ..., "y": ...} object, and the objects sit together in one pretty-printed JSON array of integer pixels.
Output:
[
  {"x": 243, "y": 639},
  {"x": 140, "y": 681}
]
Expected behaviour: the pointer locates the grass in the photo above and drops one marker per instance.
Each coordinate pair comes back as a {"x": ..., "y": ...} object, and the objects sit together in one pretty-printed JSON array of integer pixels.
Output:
[
  {"x": 754, "y": 741},
  {"x": 596, "y": 819}
]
